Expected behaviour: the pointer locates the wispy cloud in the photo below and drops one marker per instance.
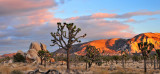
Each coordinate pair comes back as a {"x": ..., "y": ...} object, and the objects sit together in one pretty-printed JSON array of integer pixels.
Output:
[
  {"x": 139, "y": 21},
  {"x": 114, "y": 15}
]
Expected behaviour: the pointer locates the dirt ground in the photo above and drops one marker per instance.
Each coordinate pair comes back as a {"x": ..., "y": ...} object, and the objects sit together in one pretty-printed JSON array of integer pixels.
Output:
[{"x": 80, "y": 68}]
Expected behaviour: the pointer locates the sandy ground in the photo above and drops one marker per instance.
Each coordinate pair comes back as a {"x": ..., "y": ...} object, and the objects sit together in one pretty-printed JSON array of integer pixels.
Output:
[{"x": 80, "y": 68}]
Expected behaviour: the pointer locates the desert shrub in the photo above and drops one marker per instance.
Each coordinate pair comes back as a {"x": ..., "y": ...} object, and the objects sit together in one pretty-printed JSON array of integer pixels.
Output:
[
  {"x": 18, "y": 58},
  {"x": 16, "y": 72},
  {"x": 4, "y": 59},
  {"x": 106, "y": 58},
  {"x": 116, "y": 58},
  {"x": 135, "y": 58},
  {"x": 99, "y": 63}
]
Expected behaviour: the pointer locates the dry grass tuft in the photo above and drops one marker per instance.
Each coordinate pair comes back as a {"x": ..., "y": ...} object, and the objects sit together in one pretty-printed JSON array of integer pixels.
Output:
[{"x": 5, "y": 70}]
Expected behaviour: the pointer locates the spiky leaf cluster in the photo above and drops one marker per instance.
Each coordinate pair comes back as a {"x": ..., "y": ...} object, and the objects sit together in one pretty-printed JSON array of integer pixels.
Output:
[{"x": 145, "y": 48}]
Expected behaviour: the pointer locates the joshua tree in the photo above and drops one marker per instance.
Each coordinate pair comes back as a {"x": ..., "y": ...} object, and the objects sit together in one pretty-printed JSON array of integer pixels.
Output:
[
  {"x": 124, "y": 55},
  {"x": 92, "y": 55},
  {"x": 41, "y": 54},
  {"x": 145, "y": 48},
  {"x": 65, "y": 37},
  {"x": 116, "y": 58}
]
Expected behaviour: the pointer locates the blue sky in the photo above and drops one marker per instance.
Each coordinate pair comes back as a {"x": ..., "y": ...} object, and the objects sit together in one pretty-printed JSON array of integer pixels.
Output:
[
  {"x": 88, "y": 7},
  {"x": 26, "y": 21}
]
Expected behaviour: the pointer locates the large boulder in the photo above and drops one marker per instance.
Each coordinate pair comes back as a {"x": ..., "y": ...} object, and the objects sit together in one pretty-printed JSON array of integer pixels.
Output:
[
  {"x": 21, "y": 52},
  {"x": 35, "y": 45},
  {"x": 43, "y": 47},
  {"x": 32, "y": 55}
]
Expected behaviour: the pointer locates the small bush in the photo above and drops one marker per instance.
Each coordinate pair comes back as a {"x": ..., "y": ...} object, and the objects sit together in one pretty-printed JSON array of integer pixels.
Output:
[
  {"x": 99, "y": 63},
  {"x": 18, "y": 58},
  {"x": 16, "y": 72}
]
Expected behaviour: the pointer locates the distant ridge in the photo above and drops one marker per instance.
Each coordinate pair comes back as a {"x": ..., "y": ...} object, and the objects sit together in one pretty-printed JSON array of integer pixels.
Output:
[{"x": 114, "y": 45}]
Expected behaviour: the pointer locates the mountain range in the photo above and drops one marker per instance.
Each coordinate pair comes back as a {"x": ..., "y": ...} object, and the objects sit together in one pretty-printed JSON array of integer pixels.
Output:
[{"x": 114, "y": 45}]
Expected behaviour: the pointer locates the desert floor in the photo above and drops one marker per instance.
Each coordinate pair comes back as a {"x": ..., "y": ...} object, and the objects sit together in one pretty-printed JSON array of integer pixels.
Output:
[{"x": 80, "y": 68}]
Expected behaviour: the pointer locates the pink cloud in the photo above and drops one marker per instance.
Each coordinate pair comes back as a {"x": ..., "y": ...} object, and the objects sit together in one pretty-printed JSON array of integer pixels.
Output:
[
  {"x": 40, "y": 17},
  {"x": 122, "y": 16},
  {"x": 137, "y": 13},
  {"x": 97, "y": 28},
  {"x": 103, "y": 15},
  {"x": 18, "y": 6},
  {"x": 130, "y": 20},
  {"x": 73, "y": 18}
]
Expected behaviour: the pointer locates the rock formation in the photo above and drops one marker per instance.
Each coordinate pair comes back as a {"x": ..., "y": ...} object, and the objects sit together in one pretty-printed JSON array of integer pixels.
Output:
[
  {"x": 32, "y": 54},
  {"x": 43, "y": 47},
  {"x": 35, "y": 45},
  {"x": 21, "y": 52},
  {"x": 153, "y": 38}
]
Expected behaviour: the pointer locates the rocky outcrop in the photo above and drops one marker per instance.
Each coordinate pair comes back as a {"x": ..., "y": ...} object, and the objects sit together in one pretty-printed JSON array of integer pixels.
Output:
[
  {"x": 113, "y": 46},
  {"x": 35, "y": 45},
  {"x": 21, "y": 52},
  {"x": 108, "y": 46},
  {"x": 43, "y": 47},
  {"x": 153, "y": 38},
  {"x": 32, "y": 54}
]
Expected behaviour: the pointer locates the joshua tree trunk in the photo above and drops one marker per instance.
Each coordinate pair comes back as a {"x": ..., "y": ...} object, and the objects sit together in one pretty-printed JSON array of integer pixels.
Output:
[
  {"x": 68, "y": 66},
  {"x": 111, "y": 65},
  {"x": 154, "y": 63},
  {"x": 123, "y": 62},
  {"x": 41, "y": 61},
  {"x": 145, "y": 69},
  {"x": 151, "y": 62},
  {"x": 86, "y": 65},
  {"x": 89, "y": 64},
  {"x": 159, "y": 64},
  {"x": 45, "y": 62},
  {"x": 116, "y": 61},
  {"x": 62, "y": 62}
]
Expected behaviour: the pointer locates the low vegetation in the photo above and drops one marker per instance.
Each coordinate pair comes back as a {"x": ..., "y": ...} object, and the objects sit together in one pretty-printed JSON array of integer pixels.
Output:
[{"x": 18, "y": 58}]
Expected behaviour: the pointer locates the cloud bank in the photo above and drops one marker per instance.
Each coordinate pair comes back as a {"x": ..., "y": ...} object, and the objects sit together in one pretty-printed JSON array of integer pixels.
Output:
[{"x": 25, "y": 21}]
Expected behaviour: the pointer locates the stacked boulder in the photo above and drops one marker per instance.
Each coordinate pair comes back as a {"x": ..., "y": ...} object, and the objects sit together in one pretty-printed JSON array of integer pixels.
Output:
[
  {"x": 32, "y": 54},
  {"x": 21, "y": 52}
]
